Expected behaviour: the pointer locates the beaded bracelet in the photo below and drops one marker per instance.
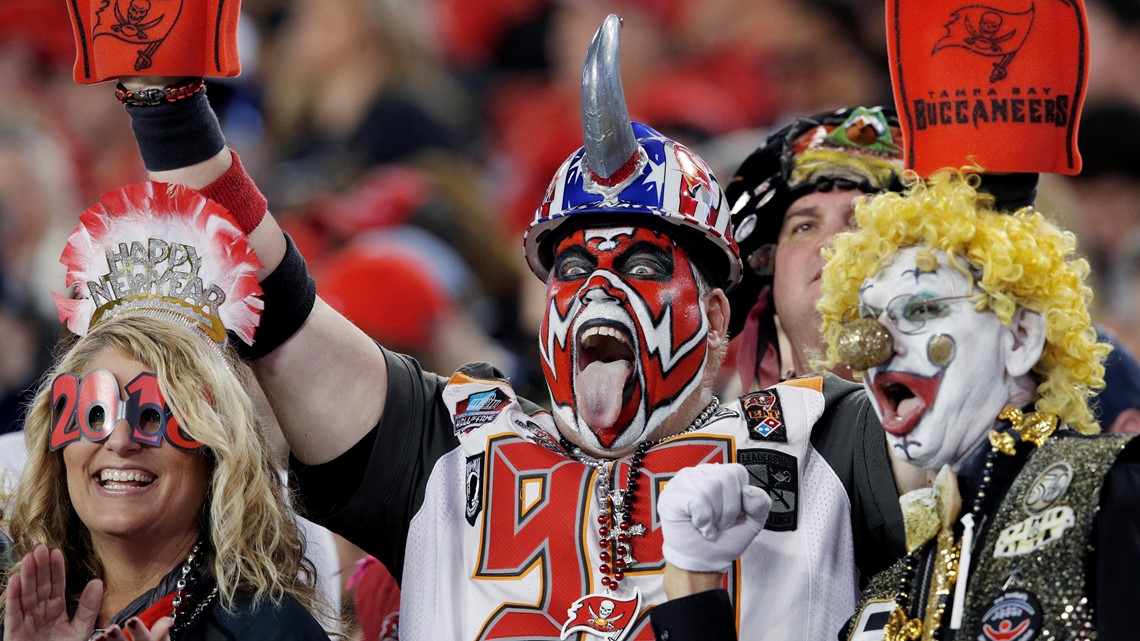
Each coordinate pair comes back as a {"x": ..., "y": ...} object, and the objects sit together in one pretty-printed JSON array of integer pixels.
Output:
[{"x": 153, "y": 96}]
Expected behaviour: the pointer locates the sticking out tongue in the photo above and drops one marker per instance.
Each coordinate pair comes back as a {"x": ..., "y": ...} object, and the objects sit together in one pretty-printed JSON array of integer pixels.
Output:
[{"x": 600, "y": 389}]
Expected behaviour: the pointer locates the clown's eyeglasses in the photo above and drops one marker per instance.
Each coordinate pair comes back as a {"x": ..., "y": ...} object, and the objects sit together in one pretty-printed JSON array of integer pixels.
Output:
[{"x": 907, "y": 312}]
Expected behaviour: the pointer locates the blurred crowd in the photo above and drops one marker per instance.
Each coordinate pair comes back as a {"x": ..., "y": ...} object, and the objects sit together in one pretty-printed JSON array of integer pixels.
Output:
[{"x": 404, "y": 146}]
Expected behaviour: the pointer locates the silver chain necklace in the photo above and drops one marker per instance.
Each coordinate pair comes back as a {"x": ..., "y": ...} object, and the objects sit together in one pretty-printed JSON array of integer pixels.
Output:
[{"x": 180, "y": 594}]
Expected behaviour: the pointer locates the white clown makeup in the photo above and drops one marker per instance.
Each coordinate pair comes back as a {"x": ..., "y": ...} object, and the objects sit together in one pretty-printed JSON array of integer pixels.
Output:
[
  {"x": 623, "y": 338},
  {"x": 946, "y": 380}
]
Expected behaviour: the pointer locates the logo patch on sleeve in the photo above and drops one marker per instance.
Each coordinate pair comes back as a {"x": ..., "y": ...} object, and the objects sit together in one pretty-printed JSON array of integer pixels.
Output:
[
  {"x": 479, "y": 409},
  {"x": 764, "y": 417},
  {"x": 473, "y": 488},
  {"x": 777, "y": 474}
]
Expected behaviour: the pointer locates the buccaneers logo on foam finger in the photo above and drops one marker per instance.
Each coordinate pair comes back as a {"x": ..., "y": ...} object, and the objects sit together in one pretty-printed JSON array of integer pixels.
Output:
[
  {"x": 116, "y": 38},
  {"x": 968, "y": 74}
]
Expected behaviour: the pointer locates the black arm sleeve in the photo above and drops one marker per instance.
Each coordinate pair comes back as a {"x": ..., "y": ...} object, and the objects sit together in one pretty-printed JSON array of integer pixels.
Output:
[
  {"x": 850, "y": 439},
  {"x": 370, "y": 493},
  {"x": 1117, "y": 539},
  {"x": 704, "y": 616}
]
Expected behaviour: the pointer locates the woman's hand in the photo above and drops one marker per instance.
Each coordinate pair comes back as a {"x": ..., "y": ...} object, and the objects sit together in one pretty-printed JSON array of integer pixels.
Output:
[{"x": 36, "y": 608}]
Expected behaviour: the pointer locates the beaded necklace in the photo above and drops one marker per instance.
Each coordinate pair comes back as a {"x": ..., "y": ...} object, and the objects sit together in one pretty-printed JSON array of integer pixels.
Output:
[
  {"x": 952, "y": 560},
  {"x": 181, "y": 601},
  {"x": 616, "y": 528}
]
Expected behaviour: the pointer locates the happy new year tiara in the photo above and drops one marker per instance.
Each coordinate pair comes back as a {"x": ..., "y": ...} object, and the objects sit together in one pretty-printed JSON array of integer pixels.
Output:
[{"x": 164, "y": 251}]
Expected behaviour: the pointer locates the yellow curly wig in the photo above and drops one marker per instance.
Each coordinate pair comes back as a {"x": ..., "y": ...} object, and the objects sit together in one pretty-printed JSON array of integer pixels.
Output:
[{"x": 1023, "y": 259}]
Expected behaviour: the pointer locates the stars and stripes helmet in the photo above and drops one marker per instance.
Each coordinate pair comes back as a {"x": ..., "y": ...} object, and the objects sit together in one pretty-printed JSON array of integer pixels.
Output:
[{"x": 629, "y": 174}]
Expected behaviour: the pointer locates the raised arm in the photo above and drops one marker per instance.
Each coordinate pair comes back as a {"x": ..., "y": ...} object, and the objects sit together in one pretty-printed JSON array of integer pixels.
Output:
[{"x": 326, "y": 380}]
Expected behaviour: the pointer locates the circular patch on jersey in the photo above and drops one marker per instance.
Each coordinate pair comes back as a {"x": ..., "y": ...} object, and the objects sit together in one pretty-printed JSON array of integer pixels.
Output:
[
  {"x": 1048, "y": 487},
  {"x": 1012, "y": 616}
]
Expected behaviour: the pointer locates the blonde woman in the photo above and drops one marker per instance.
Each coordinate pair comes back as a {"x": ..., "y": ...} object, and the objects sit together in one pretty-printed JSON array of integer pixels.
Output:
[
  {"x": 150, "y": 502},
  {"x": 126, "y": 521}
]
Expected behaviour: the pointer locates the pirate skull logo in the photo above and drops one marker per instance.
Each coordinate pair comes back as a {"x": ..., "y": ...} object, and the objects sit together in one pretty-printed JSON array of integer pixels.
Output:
[
  {"x": 132, "y": 24},
  {"x": 986, "y": 34}
]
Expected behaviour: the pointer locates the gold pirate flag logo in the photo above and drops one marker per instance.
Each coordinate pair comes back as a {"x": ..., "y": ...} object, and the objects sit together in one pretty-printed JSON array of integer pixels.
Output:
[
  {"x": 999, "y": 83},
  {"x": 154, "y": 38}
]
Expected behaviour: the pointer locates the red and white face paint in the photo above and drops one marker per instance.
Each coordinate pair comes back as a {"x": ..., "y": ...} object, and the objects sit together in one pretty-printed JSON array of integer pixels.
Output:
[{"x": 623, "y": 338}]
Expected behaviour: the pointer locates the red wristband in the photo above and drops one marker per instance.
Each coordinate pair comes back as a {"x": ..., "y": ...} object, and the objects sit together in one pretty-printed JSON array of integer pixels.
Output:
[{"x": 235, "y": 191}]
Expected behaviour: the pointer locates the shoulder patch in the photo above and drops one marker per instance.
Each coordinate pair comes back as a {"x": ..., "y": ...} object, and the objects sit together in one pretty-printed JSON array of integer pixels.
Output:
[
  {"x": 480, "y": 408},
  {"x": 764, "y": 417},
  {"x": 473, "y": 487},
  {"x": 777, "y": 474}
]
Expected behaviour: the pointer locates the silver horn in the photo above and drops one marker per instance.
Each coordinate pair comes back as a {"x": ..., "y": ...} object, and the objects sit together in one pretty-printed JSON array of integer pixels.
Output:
[{"x": 606, "y": 126}]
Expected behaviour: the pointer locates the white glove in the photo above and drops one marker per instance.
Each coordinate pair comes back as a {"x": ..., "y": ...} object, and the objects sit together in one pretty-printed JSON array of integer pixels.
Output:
[{"x": 709, "y": 516}]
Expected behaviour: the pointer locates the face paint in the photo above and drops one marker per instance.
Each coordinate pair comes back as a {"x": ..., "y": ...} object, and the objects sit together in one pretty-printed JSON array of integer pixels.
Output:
[
  {"x": 623, "y": 335},
  {"x": 91, "y": 408},
  {"x": 945, "y": 381}
]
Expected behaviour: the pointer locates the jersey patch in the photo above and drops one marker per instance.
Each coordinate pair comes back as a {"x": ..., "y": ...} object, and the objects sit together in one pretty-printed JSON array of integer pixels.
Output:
[
  {"x": 479, "y": 409},
  {"x": 777, "y": 474},
  {"x": 1012, "y": 616},
  {"x": 607, "y": 616},
  {"x": 871, "y": 622},
  {"x": 764, "y": 417},
  {"x": 473, "y": 488}
]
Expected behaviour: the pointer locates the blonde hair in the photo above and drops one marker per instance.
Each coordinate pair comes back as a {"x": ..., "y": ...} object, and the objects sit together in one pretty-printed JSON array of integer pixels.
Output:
[
  {"x": 257, "y": 546},
  {"x": 1017, "y": 260}
]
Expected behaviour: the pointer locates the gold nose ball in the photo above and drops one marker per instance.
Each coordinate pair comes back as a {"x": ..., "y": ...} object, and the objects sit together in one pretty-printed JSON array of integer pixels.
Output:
[{"x": 864, "y": 343}]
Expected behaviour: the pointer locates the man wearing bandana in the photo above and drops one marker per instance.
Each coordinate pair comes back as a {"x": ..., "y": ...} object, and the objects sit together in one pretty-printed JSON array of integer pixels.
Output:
[{"x": 506, "y": 521}]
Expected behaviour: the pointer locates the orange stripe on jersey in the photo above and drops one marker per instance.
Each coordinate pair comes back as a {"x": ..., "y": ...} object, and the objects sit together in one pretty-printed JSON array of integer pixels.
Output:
[
  {"x": 459, "y": 378},
  {"x": 807, "y": 382}
]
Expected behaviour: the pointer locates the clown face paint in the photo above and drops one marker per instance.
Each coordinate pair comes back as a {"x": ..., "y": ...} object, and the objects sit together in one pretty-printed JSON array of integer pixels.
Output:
[
  {"x": 936, "y": 405},
  {"x": 623, "y": 335}
]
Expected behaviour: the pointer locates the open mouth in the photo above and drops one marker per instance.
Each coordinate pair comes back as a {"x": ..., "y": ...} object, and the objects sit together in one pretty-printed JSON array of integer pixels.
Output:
[
  {"x": 903, "y": 399},
  {"x": 123, "y": 479},
  {"x": 600, "y": 342},
  {"x": 604, "y": 378}
]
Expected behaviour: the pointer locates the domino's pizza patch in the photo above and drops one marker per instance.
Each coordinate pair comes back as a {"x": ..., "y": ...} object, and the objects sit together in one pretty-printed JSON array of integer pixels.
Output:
[
  {"x": 764, "y": 417},
  {"x": 479, "y": 408}
]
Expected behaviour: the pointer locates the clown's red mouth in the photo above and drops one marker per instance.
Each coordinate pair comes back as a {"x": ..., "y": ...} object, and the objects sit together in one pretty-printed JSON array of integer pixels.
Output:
[
  {"x": 603, "y": 384},
  {"x": 903, "y": 399}
]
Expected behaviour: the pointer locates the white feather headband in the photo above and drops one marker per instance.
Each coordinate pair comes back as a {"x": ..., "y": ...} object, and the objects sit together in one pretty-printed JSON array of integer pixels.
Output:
[{"x": 161, "y": 250}]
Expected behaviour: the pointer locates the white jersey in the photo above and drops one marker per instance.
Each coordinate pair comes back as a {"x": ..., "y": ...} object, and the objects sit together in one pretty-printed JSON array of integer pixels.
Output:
[{"x": 507, "y": 538}]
